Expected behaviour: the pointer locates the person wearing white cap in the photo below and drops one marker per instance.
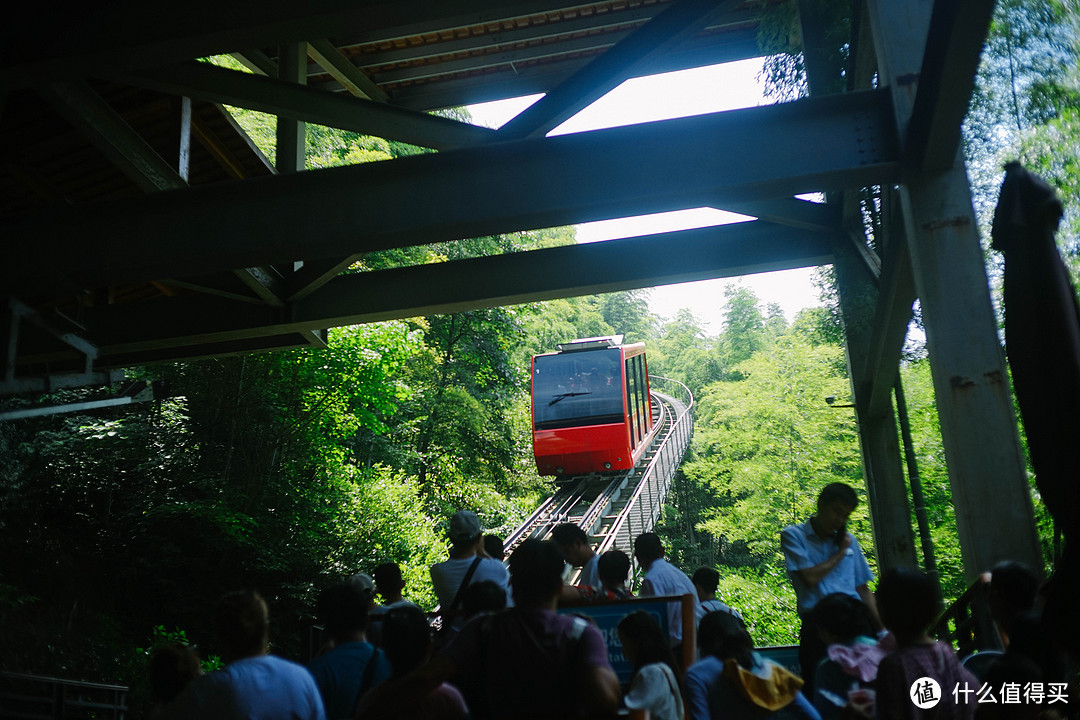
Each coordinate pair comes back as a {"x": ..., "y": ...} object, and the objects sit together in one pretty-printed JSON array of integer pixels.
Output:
[{"x": 467, "y": 564}]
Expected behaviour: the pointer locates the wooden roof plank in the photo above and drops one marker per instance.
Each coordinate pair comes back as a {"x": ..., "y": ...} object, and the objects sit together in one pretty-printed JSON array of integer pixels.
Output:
[{"x": 536, "y": 77}]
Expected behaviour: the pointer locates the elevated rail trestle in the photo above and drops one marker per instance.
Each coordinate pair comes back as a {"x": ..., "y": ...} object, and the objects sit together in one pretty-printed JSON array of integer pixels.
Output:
[{"x": 613, "y": 510}]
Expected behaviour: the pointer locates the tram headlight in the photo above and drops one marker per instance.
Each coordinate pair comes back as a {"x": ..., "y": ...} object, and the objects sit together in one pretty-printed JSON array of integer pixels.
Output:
[{"x": 607, "y": 466}]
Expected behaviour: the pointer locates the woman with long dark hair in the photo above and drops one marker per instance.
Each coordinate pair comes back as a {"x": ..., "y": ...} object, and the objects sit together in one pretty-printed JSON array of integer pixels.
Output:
[{"x": 655, "y": 684}]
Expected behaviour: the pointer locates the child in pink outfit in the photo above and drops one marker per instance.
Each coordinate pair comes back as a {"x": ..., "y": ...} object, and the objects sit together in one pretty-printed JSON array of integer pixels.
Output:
[{"x": 908, "y": 603}]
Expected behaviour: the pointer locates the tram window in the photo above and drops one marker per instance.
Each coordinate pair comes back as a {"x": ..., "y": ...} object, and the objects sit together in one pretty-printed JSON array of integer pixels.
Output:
[
  {"x": 639, "y": 388},
  {"x": 632, "y": 402},
  {"x": 641, "y": 399},
  {"x": 643, "y": 390},
  {"x": 581, "y": 388},
  {"x": 646, "y": 410}
]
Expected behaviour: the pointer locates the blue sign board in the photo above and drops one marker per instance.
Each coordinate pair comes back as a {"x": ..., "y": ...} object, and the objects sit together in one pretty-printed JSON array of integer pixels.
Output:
[{"x": 608, "y": 614}]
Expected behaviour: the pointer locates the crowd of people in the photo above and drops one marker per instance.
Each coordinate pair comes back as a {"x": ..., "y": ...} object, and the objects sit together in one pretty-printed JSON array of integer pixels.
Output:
[{"x": 503, "y": 650}]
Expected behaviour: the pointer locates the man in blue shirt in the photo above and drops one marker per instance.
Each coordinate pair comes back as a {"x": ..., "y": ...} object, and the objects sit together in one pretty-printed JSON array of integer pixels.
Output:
[{"x": 822, "y": 557}]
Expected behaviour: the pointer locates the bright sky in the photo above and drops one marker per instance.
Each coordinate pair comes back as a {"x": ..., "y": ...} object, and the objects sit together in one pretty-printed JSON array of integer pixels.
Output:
[{"x": 679, "y": 94}]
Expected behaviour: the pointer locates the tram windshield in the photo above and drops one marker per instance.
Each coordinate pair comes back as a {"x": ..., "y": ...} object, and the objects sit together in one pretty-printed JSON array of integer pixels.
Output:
[{"x": 578, "y": 388}]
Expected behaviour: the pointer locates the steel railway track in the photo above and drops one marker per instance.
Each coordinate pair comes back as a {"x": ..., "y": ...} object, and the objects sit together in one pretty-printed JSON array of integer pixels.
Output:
[{"x": 613, "y": 509}]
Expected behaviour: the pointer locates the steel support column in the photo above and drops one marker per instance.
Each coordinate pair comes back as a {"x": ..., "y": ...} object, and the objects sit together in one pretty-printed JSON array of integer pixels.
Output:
[
  {"x": 986, "y": 466},
  {"x": 882, "y": 469},
  {"x": 987, "y": 472},
  {"x": 858, "y": 277},
  {"x": 291, "y": 133}
]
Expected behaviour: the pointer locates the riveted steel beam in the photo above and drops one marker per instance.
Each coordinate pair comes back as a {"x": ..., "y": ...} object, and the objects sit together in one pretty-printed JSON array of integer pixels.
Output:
[{"x": 753, "y": 154}]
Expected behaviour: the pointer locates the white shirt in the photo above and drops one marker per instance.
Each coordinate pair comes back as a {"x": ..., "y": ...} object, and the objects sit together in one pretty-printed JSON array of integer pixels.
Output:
[
  {"x": 447, "y": 576},
  {"x": 590, "y": 572},
  {"x": 655, "y": 689},
  {"x": 376, "y": 616},
  {"x": 663, "y": 578}
]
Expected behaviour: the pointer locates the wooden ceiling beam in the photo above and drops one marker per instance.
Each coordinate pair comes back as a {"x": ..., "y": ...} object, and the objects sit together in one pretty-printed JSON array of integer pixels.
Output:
[
  {"x": 106, "y": 130},
  {"x": 129, "y": 34},
  {"x": 352, "y": 78},
  {"x": 256, "y": 61},
  {"x": 126, "y": 149}
]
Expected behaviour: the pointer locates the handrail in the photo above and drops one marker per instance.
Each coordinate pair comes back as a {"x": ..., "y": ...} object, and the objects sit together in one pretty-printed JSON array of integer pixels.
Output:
[
  {"x": 595, "y": 512},
  {"x": 657, "y": 478},
  {"x": 689, "y": 401},
  {"x": 966, "y": 624},
  {"x": 59, "y": 698},
  {"x": 61, "y": 681},
  {"x": 670, "y": 439}
]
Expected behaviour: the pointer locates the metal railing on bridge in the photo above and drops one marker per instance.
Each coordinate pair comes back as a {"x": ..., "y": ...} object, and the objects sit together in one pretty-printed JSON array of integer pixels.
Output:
[
  {"x": 613, "y": 510},
  {"x": 646, "y": 503},
  {"x": 38, "y": 698},
  {"x": 966, "y": 625}
]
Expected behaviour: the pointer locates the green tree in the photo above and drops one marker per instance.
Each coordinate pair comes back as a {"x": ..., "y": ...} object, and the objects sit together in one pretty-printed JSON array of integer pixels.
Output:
[
  {"x": 1025, "y": 106},
  {"x": 744, "y": 327},
  {"x": 1040, "y": 150},
  {"x": 769, "y": 442},
  {"x": 684, "y": 352},
  {"x": 628, "y": 314},
  {"x": 764, "y": 445}
]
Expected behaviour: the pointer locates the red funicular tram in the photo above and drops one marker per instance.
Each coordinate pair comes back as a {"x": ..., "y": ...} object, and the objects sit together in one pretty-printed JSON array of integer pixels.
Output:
[{"x": 590, "y": 407}]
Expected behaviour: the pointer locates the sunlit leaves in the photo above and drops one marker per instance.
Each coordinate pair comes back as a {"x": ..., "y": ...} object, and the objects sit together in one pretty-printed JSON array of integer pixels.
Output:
[
  {"x": 766, "y": 600},
  {"x": 769, "y": 441}
]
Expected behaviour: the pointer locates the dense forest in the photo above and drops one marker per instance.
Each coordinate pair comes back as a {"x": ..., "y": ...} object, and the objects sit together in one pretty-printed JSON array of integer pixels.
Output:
[{"x": 286, "y": 471}]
